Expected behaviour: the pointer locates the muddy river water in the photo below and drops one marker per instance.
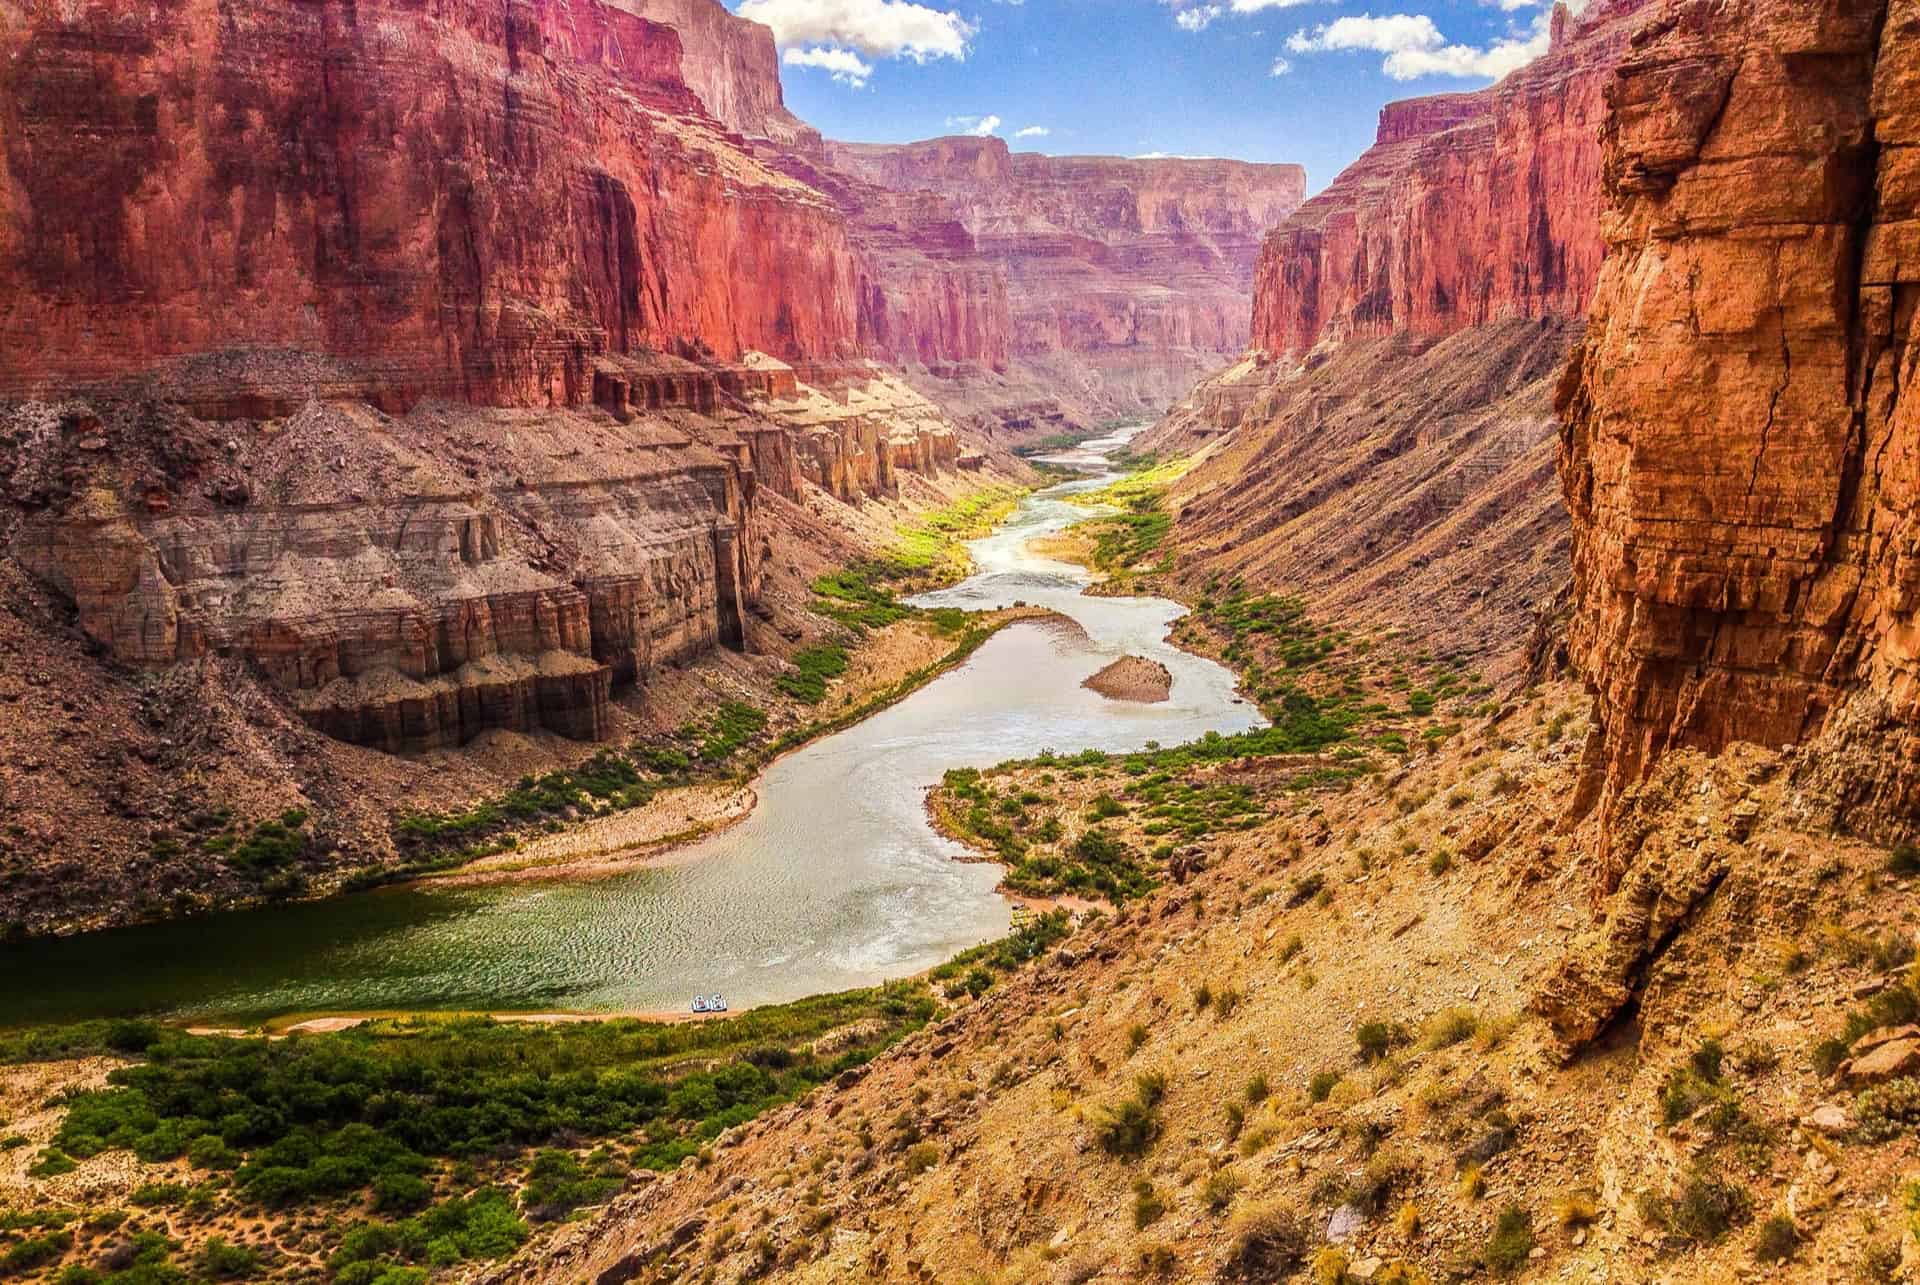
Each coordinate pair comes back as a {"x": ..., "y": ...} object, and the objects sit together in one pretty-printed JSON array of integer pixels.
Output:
[{"x": 836, "y": 879}]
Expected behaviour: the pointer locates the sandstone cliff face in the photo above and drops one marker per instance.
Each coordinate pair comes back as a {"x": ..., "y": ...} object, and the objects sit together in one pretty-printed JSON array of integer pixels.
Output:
[
  {"x": 412, "y": 582},
  {"x": 1387, "y": 449},
  {"x": 1123, "y": 279},
  {"x": 732, "y": 65},
  {"x": 1469, "y": 209},
  {"x": 1740, "y": 464},
  {"x": 464, "y": 201}
]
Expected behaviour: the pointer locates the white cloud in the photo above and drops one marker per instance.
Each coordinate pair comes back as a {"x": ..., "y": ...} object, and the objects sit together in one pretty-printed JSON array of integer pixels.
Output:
[
  {"x": 1032, "y": 131},
  {"x": 876, "y": 28},
  {"x": 1198, "y": 18},
  {"x": 1281, "y": 67},
  {"x": 1395, "y": 33},
  {"x": 1255, "y": 6},
  {"x": 978, "y": 126},
  {"x": 1414, "y": 47},
  {"x": 843, "y": 65}
]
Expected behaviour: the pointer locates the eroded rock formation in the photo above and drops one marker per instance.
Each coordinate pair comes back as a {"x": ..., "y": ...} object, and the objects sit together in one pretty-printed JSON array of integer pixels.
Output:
[
  {"x": 1124, "y": 279},
  {"x": 1740, "y": 464},
  {"x": 464, "y": 201},
  {"x": 1387, "y": 448},
  {"x": 1469, "y": 209},
  {"x": 412, "y": 581}
]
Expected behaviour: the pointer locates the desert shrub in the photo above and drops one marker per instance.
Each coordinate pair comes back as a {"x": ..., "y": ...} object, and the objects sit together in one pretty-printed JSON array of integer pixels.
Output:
[
  {"x": 1147, "y": 1205},
  {"x": 1878, "y": 1263},
  {"x": 1321, "y": 1085},
  {"x": 224, "y": 1262},
  {"x": 1511, "y": 1242},
  {"x": 1904, "y": 859},
  {"x": 1268, "y": 1243},
  {"x": 1377, "y": 1039},
  {"x": 1257, "y": 1089},
  {"x": 1576, "y": 1209},
  {"x": 1886, "y": 1111},
  {"x": 1127, "y": 1128},
  {"x": 1448, "y": 1028},
  {"x": 1440, "y": 862},
  {"x": 1220, "y": 1190},
  {"x": 1702, "y": 1210},
  {"x": 1776, "y": 1240},
  {"x": 32, "y": 1254},
  {"x": 921, "y": 1158}
]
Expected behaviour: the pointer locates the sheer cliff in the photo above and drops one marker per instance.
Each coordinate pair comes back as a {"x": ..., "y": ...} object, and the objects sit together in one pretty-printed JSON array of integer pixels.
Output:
[
  {"x": 1739, "y": 459},
  {"x": 1387, "y": 447},
  {"x": 467, "y": 201}
]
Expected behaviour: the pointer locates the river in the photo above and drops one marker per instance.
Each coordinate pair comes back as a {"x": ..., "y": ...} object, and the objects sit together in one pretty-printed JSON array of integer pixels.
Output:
[{"x": 836, "y": 880}]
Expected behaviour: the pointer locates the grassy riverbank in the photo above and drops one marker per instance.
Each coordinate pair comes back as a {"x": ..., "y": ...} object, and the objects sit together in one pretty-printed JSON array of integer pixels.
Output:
[
  {"x": 737, "y": 740},
  {"x": 139, "y": 1154}
]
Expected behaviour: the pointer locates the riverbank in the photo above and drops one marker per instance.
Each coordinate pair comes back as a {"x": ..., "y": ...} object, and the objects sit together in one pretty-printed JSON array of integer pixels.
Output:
[{"x": 896, "y": 662}]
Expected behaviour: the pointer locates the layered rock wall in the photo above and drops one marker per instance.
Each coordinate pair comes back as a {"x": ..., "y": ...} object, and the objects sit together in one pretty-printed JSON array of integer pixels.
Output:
[
  {"x": 1101, "y": 252},
  {"x": 1742, "y": 468},
  {"x": 1387, "y": 448},
  {"x": 464, "y": 200},
  {"x": 408, "y": 583},
  {"x": 732, "y": 65},
  {"x": 1469, "y": 209}
]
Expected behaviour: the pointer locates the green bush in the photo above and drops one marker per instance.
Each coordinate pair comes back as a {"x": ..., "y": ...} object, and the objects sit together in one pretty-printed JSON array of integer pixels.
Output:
[
  {"x": 813, "y": 669},
  {"x": 1511, "y": 1242},
  {"x": 1377, "y": 1039},
  {"x": 1777, "y": 1240},
  {"x": 224, "y": 1262}
]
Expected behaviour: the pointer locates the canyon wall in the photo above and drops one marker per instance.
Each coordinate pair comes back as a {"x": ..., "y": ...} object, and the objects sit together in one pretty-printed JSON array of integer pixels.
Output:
[
  {"x": 732, "y": 65},
  {"x": 1387, "y": 447},
  {"x": 465, "y": 201},
  {"x": 1468, "y": 209},
  {"x": 1742, "y": 469},
  {"x": 1123, "y": 279}
]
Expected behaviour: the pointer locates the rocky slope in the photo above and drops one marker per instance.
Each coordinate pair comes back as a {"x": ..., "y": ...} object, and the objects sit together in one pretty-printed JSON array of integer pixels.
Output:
[
  {"x": 1124, "y": 279},
  {"x": 1739, "y": 459},
  {"x": 1387, "y": 448}
]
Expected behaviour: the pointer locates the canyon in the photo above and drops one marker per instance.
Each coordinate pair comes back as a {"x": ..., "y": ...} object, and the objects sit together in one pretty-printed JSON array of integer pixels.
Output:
[
  {"x": 370, "y": 358},
  {"x": 1541, "y": 907},
  {"x": 1387, "y": 448}
]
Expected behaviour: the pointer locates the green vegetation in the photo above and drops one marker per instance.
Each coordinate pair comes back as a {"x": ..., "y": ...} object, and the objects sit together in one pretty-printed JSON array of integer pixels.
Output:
[
  {"x": 813, "y": 669},
  {"x": 456, "y": 1134},
  {"x": 1704, "y": 1208},
  {"x": 1029, "y": 942},
  {"x": 1130, "y": 1127},
  {"x": 1511, "y": 1242},
  {"x": 1138, "y": 532}
]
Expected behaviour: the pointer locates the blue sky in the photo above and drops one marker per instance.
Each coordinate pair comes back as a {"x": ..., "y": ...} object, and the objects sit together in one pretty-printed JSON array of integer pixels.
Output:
[{"x": 1265, "y": 80}]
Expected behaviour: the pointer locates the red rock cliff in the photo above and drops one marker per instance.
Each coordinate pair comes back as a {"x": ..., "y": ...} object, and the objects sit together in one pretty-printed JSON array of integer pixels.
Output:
[
  {"x": 1469, "y": 209},
  {"x": 732, "y": 65},
  {"x": 1742, "y": 468},
  {"x": 464, "y": 200},
  {"x": 1101, "y": 252}
]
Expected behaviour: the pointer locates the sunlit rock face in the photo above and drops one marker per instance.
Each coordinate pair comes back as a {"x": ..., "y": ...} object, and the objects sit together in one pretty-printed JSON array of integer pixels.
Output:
[
  {"x": 1107, "y": 281},
  {"x": 1741, "y": 466},
  {"x": 1469, "y": 208},
  {"x": 462, "y": 200}
]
